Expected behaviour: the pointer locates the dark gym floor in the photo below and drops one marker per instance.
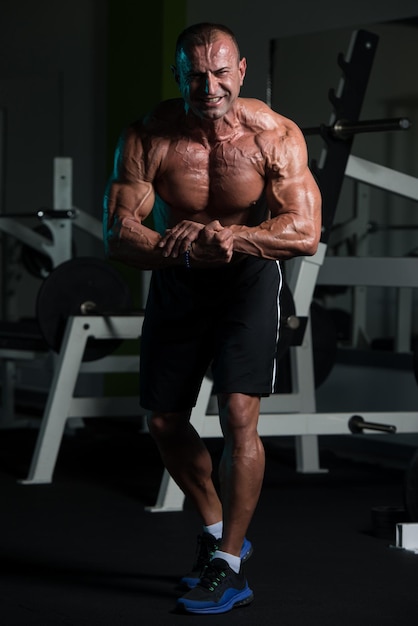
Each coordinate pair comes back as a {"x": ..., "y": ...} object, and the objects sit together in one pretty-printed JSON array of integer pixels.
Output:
[{"x": 83, "y": 550}]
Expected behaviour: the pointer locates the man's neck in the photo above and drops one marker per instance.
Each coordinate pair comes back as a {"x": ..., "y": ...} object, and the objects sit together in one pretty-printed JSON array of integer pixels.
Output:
[{"x": 210, "y": 132}]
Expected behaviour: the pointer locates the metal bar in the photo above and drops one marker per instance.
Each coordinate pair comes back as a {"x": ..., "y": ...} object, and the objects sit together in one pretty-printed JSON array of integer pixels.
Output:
[
  {"x": 58, "y": 404},
  {"x": 63, "y": 183},
  {"x": 343, "y": 129},
  {"x": 373, "y": 272},
  {"x": 382, "y": 177},
  {"x": 61, "y": 399}
]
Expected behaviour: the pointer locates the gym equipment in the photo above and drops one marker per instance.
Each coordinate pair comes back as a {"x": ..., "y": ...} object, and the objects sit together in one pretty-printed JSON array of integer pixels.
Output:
[
  {"x": 42, "y": 248},
  {"x": 330, "y": 170},
  {"x": 81, "y": 286},
  {"x": 360, "y": 271},
  {"x": 37, "y": 263},
  {"x": 49, "y": 243},
  {"x": 357, "y": 425},
  {"x": 62, "y": 402},
  {"x": 290, "y": 323},
  {"x": 344, "y": 129}
]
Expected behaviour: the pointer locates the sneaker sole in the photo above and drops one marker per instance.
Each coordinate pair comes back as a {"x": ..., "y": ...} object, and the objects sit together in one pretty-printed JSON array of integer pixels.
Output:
[{"x": 234, "y": 603}]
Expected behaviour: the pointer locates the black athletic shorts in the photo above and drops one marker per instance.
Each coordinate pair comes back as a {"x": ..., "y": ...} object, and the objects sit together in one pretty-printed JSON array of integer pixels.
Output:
[{"x": 225, "y": 318}]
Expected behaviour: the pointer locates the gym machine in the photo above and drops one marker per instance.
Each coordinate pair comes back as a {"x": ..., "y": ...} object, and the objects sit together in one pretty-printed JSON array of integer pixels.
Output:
[
  {"x": 80, "y": 285},
  {"x": 292, "y": 412}
]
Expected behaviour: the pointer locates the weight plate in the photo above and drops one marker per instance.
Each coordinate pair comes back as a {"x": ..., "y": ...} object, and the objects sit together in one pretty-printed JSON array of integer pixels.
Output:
[{"x": 81, "y": 286}]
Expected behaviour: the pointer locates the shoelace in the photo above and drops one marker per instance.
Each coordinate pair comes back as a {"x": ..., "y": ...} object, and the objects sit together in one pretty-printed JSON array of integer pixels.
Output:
[{"x": 212, "y": 578}]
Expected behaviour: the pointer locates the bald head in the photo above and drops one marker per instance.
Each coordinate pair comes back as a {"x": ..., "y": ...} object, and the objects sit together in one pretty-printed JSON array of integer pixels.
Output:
[{"x": 202, "y": 34}]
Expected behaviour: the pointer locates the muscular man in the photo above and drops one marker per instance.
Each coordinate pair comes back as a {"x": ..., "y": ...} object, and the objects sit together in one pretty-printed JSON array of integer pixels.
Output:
[{"x": 228, "y": 186}]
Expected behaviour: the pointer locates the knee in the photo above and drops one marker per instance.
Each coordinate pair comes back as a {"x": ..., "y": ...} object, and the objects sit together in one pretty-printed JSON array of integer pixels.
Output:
[
  {"x": 165, "y": 425},
  {"x": 239, "y": 416}
]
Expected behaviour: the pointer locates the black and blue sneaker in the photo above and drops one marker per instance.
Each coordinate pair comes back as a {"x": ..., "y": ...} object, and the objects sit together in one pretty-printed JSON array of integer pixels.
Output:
[
  {"x": 207, "y": 545},
  {"x": 220, "y": 589}
]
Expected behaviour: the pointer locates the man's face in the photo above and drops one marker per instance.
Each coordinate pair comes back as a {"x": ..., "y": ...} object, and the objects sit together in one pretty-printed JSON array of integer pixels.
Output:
[{"x": 210, "y": 77}]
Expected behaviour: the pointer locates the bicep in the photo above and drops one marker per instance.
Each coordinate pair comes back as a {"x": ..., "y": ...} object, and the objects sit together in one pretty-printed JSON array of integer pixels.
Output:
[
  {"x": 291, "y": 186},
  {"x": 130, "y": 199},
  {"x": 128, "y": 193}
]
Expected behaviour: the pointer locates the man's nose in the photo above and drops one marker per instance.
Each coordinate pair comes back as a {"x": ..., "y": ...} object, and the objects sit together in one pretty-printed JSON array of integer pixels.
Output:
[{"x": 210, "y": 84}]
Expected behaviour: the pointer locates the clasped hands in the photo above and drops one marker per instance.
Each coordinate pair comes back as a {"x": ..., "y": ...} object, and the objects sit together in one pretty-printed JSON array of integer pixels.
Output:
[{"x": 208, "y": 243}]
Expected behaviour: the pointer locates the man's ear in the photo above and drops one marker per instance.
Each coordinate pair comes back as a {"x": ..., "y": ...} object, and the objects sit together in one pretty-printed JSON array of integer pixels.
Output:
[
  {"x": 242, "y": 69},
  {"x": 175, "y": 73}
]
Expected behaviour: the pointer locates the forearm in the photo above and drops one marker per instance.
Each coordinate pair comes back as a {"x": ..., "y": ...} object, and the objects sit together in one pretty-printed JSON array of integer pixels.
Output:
[
  {"x": 137, "y": 245},
  {"x": 282, "y": 237}
]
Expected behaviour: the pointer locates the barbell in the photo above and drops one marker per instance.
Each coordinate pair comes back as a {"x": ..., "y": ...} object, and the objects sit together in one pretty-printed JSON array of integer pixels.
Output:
[
  {"x": 358, "y": 425},
  {"x": 81, "y": 286}
]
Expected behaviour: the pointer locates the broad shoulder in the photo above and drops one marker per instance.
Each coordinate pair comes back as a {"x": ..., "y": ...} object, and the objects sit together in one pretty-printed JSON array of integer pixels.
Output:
[
  {"x": 262, "y": 119},
  {"x": 279, "y": 138}
]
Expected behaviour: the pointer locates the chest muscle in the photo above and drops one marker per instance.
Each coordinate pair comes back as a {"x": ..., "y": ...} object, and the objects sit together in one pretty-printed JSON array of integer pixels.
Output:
[{"x": 220, "y": 181}]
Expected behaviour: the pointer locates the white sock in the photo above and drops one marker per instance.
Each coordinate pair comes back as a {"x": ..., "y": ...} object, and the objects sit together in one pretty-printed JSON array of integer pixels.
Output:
[
  {"x": 214, "y": 529},
  {"x": 233, "y": 561}
]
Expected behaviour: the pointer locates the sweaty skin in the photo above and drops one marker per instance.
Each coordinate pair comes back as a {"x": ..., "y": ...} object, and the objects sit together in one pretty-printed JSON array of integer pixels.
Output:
[
  {"x": 207, "y": 158},
  {"x": 201, "y": 165}
]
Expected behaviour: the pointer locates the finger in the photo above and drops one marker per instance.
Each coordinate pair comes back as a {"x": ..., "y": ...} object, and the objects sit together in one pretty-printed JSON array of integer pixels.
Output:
[
  {"x": 183, "y": 244},
  {"x": 185, "y": 237},
  {"x": 214, "y": 226},
  {"x": 164, "y": 238},
  {"x": 176, "y": 243},
  {"x": 225, "y": 234},
  {"x": 169, "y": 243},
  {"x": 171, "y": 235}
]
